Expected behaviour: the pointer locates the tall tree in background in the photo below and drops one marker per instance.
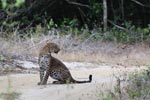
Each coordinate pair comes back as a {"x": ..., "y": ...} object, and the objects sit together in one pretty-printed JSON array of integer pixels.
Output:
[
  {"x": 105, "y": 14},
  {"x": 26, "y": 13}
]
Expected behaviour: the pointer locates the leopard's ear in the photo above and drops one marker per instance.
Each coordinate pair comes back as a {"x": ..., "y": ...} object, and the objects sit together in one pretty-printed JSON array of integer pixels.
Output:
[{"x": 48, "y": 41}]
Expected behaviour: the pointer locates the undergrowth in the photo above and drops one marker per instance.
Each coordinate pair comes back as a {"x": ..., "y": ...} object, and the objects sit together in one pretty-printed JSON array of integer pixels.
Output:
[
  {"x": 25, "y": 44},
  {"x": 9, "y": 94},
  {"x": 135, "y": 86},
  {"x": 127, "y": 34},
  {"x": 139, "y": 85}
]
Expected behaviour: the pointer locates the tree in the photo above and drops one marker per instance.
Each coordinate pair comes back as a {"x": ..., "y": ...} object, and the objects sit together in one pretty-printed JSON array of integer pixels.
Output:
[{"x": 105, "y": 14}]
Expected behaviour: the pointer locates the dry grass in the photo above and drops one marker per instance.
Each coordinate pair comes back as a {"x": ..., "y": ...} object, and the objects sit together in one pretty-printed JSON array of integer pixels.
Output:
[
  {"x": 131, "y": 56},
  {"x": 10, "y": 96},
  {"x": 79, "y": 51}
]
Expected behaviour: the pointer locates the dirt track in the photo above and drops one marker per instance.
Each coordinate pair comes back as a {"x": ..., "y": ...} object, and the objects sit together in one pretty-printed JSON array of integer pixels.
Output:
[{"x": 26, "y": 84}]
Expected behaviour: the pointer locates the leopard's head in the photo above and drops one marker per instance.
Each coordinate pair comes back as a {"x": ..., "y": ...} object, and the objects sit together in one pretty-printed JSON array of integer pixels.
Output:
[
  {"x": 49, "y": 48},
  {"x": 53, "y": 48}
]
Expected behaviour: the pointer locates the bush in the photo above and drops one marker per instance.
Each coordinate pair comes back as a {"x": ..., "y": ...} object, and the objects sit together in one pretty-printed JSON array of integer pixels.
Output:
[{"x": 139, "y": 85}]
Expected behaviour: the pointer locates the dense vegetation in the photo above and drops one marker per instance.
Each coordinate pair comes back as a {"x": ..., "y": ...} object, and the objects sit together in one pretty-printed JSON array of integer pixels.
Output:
[
  {"x": 139, "y": 85},
  {"x": 127, "y": 20}
]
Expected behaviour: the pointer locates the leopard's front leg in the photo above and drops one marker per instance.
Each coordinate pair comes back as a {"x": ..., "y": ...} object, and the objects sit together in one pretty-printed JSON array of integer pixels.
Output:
[
  {"x": 42, "y": 70},
  {"x": 44, "y": 62},
  {"x": 45, "y": 78}
]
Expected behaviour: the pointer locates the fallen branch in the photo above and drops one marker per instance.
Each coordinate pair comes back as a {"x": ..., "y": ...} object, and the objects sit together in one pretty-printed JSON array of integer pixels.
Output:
[
  {"x": 78, "y": 4},
  {"x": 141, "y": 4},
  {"x": 119, "y": 27}
]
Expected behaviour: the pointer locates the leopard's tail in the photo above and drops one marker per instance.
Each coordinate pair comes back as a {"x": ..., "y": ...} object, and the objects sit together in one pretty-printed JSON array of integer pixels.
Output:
[{"x": 90, "y": 80}]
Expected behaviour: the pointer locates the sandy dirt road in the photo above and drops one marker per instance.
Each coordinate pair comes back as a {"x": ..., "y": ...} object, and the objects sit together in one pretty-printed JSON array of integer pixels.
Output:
[{"x": 26, "y": 84}]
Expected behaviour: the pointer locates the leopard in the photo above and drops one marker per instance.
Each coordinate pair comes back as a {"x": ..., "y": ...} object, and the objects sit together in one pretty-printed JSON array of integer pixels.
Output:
[{"x": 53, "y": 67}]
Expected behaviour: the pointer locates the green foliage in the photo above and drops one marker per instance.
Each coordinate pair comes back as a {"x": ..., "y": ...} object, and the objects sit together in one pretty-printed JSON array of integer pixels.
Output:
[
  {"x": 4, "y": 4},
  {"x": 69, "y": 26},
  {"x": 2, "y": 58},
  {"x": 69, "y": 23},
  {"x": 19, "y": 3},
  {"x": 96, "y": 10},
  {"x": 145, "y": 34},
  {"x": 11, "y": 5},
  {"x": 130, "y": 35},
  {"x": 9, "y": 96},
  {"x": 105, "y": 96},
  {"x": 90, "y": 12},
  {"x": 133, "y": 35},
  {"x": 11, "y": 9},
  {"x": 51, "y": 24},
  {"x": 139, "y": 85},
  {"x": 14, "y": 24}
]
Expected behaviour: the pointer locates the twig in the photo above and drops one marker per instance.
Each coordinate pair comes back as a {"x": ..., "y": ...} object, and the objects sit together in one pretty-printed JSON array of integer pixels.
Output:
[
  {"x": 118, "y": 26},
  {"x": 88, "y": 38},
  {"x": 141, "y": 4},
  {"x": 82, "y": 14},
  {"x": 78, "y": 4},
  {"x": 125, "y": 29}
]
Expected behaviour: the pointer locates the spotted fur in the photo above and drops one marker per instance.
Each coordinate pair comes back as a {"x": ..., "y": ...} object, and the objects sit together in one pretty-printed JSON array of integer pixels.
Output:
[{"x": 51, "y": 66}]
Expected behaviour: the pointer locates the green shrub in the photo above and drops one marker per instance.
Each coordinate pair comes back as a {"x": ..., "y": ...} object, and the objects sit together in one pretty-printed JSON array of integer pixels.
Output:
[{"x": 139, "y": 85}]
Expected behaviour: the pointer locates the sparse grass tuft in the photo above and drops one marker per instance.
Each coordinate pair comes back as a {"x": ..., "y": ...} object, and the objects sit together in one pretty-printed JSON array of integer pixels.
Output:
[
  {"x": 106, "y": 96},
  {"x": 133, "y": 87},
  {"x": 139, "y": 85},
  {"x": 9, "y": 96}
]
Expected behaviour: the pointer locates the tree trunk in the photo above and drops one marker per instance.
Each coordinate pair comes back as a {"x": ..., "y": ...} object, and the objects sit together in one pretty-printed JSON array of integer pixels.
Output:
[
  {"x": 105, "y": 14},
  {"x": 122, "y": 9}
]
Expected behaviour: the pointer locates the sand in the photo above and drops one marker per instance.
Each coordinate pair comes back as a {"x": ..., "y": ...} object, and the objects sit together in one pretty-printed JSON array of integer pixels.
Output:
[{"x": 26, "y": 84}]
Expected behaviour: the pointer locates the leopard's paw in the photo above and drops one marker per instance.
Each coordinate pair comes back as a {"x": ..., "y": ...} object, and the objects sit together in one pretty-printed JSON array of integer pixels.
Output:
[{"x": 39, "y": 83}]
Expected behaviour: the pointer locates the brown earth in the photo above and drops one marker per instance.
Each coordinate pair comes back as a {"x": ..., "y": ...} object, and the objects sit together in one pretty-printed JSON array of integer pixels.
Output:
[{"x": 26, "y": 84}]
